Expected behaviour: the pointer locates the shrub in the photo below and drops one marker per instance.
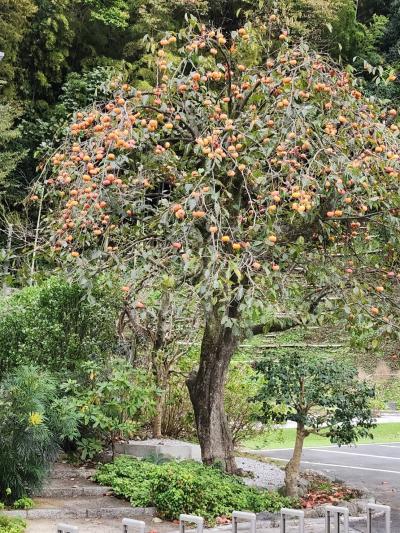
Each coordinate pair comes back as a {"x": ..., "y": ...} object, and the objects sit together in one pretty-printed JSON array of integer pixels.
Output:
[
  {"x": 55, "y": 324},
  {"x": 110, "y": 401},
  {"x": 11, "y": 525},
  {"x": 31, "y": 427},
  {"x": 24, "y": 503},
  {"x": 243, "y": 412},
  {"x": 185, "y": 487}
]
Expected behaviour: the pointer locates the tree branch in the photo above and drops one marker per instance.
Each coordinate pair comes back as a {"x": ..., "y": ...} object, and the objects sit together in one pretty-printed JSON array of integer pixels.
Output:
[{"x": 287, "y": 323}]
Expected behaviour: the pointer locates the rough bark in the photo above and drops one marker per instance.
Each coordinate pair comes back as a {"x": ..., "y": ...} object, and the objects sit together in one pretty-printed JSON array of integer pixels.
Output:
[
  {"x": 292, "y": 469},
  {"x": 206, "y": 389}
]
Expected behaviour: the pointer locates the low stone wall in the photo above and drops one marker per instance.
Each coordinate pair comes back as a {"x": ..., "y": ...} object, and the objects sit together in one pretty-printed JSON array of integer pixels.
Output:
[{"x": 159, "y": 448}]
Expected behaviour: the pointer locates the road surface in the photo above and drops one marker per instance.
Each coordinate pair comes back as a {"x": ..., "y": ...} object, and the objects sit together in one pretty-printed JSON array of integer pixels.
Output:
[{"x": 371, "y": 467}]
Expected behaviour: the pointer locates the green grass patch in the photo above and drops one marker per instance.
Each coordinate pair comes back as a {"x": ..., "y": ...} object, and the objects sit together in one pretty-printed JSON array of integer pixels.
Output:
[{"x": 285, "y": 438}]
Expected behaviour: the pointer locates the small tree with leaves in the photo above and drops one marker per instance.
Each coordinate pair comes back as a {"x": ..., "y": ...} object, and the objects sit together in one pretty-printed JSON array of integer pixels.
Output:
[{"x": 324, "y": 397}]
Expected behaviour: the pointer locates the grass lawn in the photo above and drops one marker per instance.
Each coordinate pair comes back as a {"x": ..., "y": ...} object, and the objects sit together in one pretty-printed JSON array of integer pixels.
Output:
[{"x": 285, "y": 438}]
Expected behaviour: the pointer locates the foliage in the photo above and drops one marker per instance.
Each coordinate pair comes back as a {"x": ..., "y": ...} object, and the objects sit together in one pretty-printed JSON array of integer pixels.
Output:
[
  {"x": 24, "y": 503},
  {"x": 242, "y": 385},
  {"x": 280, "y": 232},
  {"x": 110, "y": 12},
  {"x": 31, "y": 427},
  {"x": 178, "y": 419},
  {"x": 11, "y": 152},
  {"x": 322, "y": 395},
  {"x": 14, "y": 23},
  {"x": 392, "y": 37},
  {"x": 185, "y": 487},
  {"x": 9, "y": 524},
  {"x": 109, "y": 402},
  {"x": 54, "y": 324},
  {"x": 44, "y": 51},
  {"x": 388, "y": 392}
]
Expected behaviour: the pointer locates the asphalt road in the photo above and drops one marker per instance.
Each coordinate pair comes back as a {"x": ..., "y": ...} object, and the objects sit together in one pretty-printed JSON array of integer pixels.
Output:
[{"x": 371, "y": 467}]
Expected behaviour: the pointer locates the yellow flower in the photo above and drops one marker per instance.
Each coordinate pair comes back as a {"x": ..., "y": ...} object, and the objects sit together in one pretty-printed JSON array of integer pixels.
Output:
[{"x": 35, "y": 419}]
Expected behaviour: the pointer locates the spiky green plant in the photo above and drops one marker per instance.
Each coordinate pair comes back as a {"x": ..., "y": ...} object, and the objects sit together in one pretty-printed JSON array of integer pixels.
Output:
[{"x": 31, "y": 426}]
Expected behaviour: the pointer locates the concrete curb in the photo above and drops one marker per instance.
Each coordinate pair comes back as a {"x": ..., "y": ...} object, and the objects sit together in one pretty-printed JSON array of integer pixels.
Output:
[
  {"x": 74, "y": 491},
  {"x": 61, "y": 514},
  {"x": 72, "y": 473}
]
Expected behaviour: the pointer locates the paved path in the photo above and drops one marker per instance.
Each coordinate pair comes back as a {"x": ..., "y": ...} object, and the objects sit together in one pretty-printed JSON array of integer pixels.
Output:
[{"x": 371, "y": 467}]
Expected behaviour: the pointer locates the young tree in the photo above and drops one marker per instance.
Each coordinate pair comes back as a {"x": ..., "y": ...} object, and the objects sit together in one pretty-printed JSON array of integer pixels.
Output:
[
  {"x": 324, "y": 397},
  {"x": 159, "y": 333},
  {"x": 254, "y": 173}
]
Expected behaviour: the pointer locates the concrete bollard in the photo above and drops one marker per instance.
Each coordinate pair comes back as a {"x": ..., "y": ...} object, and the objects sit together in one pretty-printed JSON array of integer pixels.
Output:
[
  {"x": 65, "y": 528},
  {"x": 333, "y": 514},
  {"x": 129, "y": 525},
  {"x": 244, "y": 517},
  {"x": 191, "y": 519},
  {"x": 295, "y": 513},
  {"x": 371, "y": 507}
]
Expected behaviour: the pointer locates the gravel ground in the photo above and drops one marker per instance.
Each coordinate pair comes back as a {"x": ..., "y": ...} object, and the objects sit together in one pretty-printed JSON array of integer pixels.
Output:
[{"x": 266, "y": 475}]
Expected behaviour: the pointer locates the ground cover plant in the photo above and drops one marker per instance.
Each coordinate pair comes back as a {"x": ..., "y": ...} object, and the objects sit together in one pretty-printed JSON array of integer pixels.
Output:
[
  {"x": 11, "y": 525},
  {"x": 185, "y": 487}
]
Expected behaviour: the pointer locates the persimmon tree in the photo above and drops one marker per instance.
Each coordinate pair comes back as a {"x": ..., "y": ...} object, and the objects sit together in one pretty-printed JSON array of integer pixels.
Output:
[
  {"x": 254, "y": 172},
  {"x": 324, "y": 397}
]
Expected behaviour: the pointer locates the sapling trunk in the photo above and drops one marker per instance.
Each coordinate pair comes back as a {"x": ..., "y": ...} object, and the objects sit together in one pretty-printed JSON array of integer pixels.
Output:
[{"x": 292, "y": 470}]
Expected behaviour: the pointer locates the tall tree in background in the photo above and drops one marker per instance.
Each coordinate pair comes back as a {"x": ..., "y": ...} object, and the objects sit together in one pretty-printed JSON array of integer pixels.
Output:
[
  {"x": 14, "y": 23},
  {"x": 11, "y": 153}
]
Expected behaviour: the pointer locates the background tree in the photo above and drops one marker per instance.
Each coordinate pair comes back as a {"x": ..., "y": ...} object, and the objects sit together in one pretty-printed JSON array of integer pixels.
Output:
[
  {"x": 14, "y": 23},
  {"x": 158, "y": 331},
  {"x": 324, "y": 397},
  {"x": 11, "y": 153},
  {"x": 256, "y": 174}
]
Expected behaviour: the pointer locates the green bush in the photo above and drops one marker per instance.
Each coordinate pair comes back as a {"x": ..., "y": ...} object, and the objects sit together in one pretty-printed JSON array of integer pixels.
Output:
[
  {"x": 11, "y": 525},
  {"x": 31, "y": 428},
  {"x": 24, "y": 503},
  {"x": 54, "y": 324},
  {"x": 243, "y": 412},
  {"x": 185, "y": 487},
  {"x": 109, "y": 401}
]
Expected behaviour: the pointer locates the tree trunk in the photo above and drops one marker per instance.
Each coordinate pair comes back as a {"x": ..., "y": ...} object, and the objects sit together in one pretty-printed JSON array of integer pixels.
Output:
[
  {"x": 159, "y": 416},
  {"x": 206, "y": 389},
  {"x": 292, "y": 469},
  {"x": 161, "y": 378}
]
